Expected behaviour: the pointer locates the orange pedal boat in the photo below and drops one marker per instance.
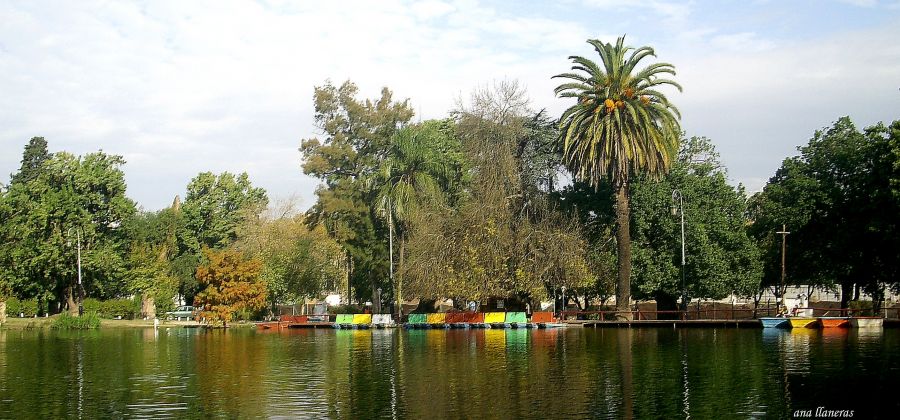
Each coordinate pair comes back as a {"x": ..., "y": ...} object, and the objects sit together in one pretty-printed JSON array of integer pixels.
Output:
[{"x": 835, "y": 321}]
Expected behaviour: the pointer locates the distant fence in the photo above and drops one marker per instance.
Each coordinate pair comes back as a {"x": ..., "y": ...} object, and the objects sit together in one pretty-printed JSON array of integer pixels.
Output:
[{"x": 716, "y": 313}]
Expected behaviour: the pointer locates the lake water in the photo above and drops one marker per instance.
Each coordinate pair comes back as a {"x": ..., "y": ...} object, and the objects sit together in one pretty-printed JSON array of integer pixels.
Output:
[{"x": 563, "y": 373}]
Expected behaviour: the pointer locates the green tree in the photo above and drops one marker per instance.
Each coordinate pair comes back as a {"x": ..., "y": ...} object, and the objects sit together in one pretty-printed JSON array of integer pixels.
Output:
[
  {"x": 32, "y": 159},
  {"x": 214, "y": 209},
  {"x": 620, "y": 125},
  {"x": 71, "y": 201},
  {"x": 501, "y": 238},
  {"x": 299, "y": 261},
  {"x": 356, "y": 139},
  {"x": 721, "y": 259},
  {"x": 893, "y": 135},
  {"x": 836, "y": 200},
  {"x": 152, "y": 248},
  {"x": 417, "y": 171},
  {"x": 216, "y": 205},
  {"x": 148, "y": 275}
]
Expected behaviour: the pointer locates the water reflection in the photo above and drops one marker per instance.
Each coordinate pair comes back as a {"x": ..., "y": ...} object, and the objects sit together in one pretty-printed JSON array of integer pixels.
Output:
[
  {"x": 3, "y": 362},
  {"x": 614, "y": 373}
]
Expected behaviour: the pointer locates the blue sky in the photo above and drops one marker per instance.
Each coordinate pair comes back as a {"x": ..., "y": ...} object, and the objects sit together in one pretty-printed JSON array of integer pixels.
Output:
[{"x": 184, "y": 87}]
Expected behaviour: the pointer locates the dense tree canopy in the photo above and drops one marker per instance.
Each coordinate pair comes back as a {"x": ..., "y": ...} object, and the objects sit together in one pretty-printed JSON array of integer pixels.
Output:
[
  {"x": 298, "y": 260},
  {"x": 32, "y": 160},
  {"x": 423, "y": 166},
  {"x": 502, "y": 238},
  {"x": 356, "y": 138},
  {"x": 53, "y": 208},
  {"x": 836, "y": 200},
  {"x": 216, "y": 205},
  {"x": 152, "y": 248},
  {"x": 721, "y": 257},
  {"x": 473, "y": 207},
  {"x": 214, "y": 209}
]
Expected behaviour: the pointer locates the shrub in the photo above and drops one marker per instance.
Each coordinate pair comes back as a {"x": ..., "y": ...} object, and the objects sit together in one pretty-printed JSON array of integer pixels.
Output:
[
  {"x": 13, "y": 307},
  {"x": 28, "y": 307},
  {"x": 248, "y": 315},
  {"x": 113, "y": 308},
  {"x": 92, "y": 305},
  {"x": 88, "y": 321},
  {"x": 864, "y": 305},
  {"x": 346, "y": 309},
  {"x": 242, "y": 315},
  {"x": 136, "y": 304},
  {"x": 164, "y": 305}
]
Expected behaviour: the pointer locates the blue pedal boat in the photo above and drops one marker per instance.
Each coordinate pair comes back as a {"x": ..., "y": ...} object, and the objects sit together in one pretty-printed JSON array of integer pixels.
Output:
[{"x": 774, "y": 322}]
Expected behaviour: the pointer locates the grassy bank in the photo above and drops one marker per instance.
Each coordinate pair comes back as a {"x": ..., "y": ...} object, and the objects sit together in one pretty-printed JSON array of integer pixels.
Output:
[
  {"x": 64, "y": 321},
  {"x": 45, "y": 323}
]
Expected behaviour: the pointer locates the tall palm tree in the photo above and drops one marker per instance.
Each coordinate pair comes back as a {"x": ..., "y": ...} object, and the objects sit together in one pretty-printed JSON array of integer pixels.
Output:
[
  {"x": 412, "y": 174},
  {"x": 619, "y": 126}
]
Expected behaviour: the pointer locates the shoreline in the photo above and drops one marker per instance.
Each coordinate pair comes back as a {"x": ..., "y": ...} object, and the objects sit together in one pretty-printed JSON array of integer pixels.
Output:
[{"x": 44, "y": 323}]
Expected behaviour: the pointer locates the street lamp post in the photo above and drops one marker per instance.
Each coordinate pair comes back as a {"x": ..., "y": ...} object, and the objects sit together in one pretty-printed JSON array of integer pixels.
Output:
[
  {"x": 563, "y": 289},
  {"x": 678, "y": 198}
]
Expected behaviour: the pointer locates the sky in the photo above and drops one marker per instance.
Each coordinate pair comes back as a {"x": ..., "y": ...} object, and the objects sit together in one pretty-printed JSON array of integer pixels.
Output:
[{"x": 180, "y": 88}]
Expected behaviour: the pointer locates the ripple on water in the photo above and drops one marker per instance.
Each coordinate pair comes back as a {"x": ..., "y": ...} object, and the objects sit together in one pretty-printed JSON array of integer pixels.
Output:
[{"x": 568, "y": 373}]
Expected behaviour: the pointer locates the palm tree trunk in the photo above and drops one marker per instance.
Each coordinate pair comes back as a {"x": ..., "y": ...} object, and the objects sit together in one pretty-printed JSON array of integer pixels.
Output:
[
  {"x": 623, "y": 239},
  {"x": 398, "y": 276}
]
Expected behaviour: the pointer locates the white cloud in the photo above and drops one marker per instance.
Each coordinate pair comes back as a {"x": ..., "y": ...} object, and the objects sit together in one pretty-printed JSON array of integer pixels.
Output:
[
  {"x": 860, "y": 3},
  {"x": 741, "y": 42},
  {"x": 759, "y": 105},
  {"x": 431, "y": 9},
  {"x": 673, "y": 13},
  {"x": 184, "y": 87}
]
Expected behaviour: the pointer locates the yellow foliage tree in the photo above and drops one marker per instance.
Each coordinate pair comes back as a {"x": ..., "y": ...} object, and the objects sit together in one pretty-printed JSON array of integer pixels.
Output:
[{"x": 231, "y": 283}]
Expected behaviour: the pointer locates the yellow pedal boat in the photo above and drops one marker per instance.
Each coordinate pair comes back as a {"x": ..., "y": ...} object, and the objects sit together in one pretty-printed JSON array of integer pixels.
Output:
[{"x": 804, "y": 322}]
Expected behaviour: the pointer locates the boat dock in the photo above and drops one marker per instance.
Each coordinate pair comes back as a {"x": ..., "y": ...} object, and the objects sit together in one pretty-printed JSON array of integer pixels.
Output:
[
  {"x": 313, "y": 325},
  {"x": 668, "y": 323},
  {"x": 504, "y": 320}
]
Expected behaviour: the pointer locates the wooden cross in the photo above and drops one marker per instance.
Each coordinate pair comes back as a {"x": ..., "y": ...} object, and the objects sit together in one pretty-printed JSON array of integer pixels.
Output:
[{"x": 784, "y": 233}]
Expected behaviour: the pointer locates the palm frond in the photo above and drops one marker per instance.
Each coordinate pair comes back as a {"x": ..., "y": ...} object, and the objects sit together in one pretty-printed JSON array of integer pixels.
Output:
[{"x": 627, "y": 126}]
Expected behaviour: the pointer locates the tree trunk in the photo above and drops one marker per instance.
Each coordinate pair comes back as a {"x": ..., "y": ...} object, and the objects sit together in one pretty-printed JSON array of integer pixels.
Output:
[
  {"x": 846, "y": 293},
  {"x": 376, "y": 298},
  {"x": 877, "y": 299},
  {"x": 60, "y": 301},
  {"x": 349, "y": 277},
  {"x": 148, "y": 307},
  {"x": 623, "y": 239},
  {"x": 2, "y": 311},
  {"x": 70, "y": 302},
  {"x": 756, "y": 298},
  {"x": 578, "y": 302}
]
